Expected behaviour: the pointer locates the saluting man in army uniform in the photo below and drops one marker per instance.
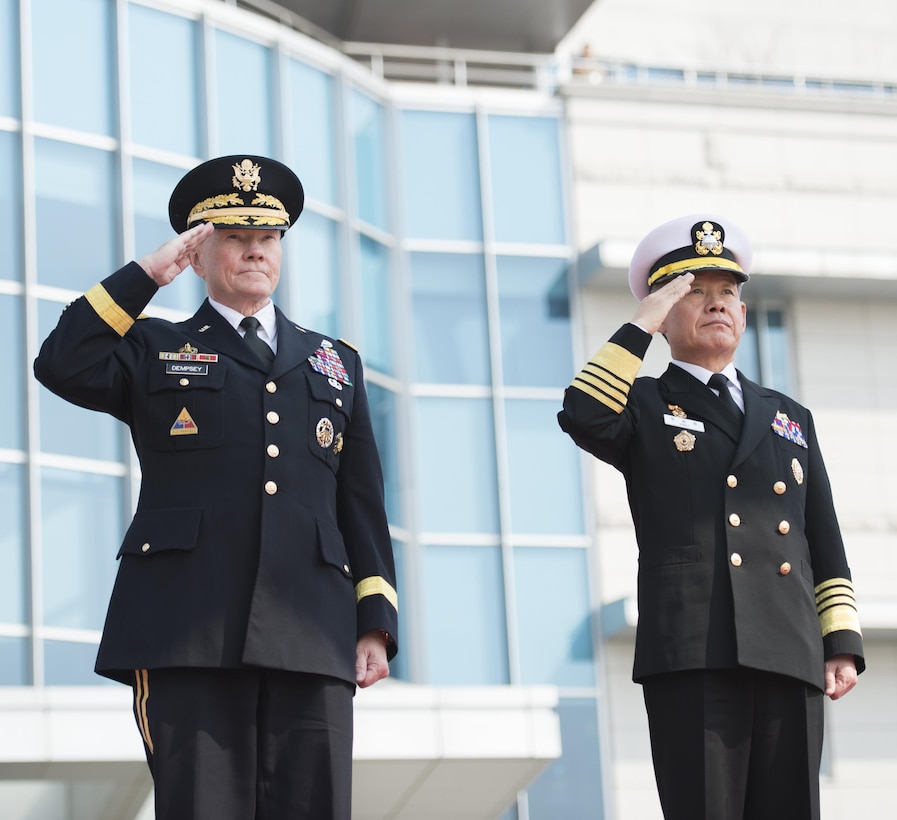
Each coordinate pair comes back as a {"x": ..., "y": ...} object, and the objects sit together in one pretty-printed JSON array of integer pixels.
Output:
[
  {"x": 256, "y": 585},
  {"x": 747, "y": 613}
]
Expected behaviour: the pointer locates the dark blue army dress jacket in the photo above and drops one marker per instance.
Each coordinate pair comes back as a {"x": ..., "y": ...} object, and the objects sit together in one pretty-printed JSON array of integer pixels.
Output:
[
  {"x": 260, "y": 536},
  {"x": 741, "y": 561}
]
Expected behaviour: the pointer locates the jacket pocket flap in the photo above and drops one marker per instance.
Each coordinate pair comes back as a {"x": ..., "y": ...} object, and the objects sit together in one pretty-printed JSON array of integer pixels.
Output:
[{"x": 154, "y": 531}]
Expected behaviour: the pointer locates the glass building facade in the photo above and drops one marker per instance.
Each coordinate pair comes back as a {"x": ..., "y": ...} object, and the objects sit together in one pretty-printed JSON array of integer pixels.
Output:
[{"x": 435, "y": 237}]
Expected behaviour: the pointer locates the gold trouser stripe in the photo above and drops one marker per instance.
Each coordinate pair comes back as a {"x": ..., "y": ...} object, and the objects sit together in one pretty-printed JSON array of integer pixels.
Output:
[
  {"x": 108, "y": 310},
  {"x": 836, "y": 606},
  {"x": 609, "y": 375},
  {"x": 141, "y": 696},
  {"x": 377, "y": 585}
]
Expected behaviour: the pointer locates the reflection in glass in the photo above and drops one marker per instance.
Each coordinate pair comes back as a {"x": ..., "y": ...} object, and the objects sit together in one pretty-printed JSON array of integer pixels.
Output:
[
  {"x": 527, "y": 196},
  {"x": 764, "y": 355},
  {"x": 571, "y": 785},
  {"x": 543, "y": 471},
  {"x": 81, "y": 532},
  {"x": 67, "y": 429},
  {"x": 441, "y": 198},
  {"x": 76, "y": 237},
  {"x": 467, "y": 644},
  {"x": 312, "y": 133},
  {"x": 12, "y": 363},
  {"x": 11, "y": 266},
  {"x": 14, "y": 662},
  {"x": 73, "y": 68},
  {"x": 153, "y": 184},
  {"x": 311, "y": 274},
  {"x": 383, "y": 419},
  {"x": 9, "y": 59},
  {"x": 454, "y": 449},
  {"x": 448, "y": 312},
  {"x": 12, "y": 541},
  {"x": 535, "y": 321},
  {"x": 71, "y": 664},
  {"x": 554, "y": 616},
  {"x": 166, "y": 85},
  {"x": 366, "y": 123},
  {"x": 245, "y": 123},
  {"x": 377, "y": 321}
]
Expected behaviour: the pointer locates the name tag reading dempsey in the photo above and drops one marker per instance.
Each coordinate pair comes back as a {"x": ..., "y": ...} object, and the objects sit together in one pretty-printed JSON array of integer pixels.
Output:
[{"x": 684, "y": 423}]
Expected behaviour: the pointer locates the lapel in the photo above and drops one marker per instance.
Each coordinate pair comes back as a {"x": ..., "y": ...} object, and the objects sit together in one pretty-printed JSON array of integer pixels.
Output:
[
  {"x": 760, "y": 407},
  {"x": 696, "y": 399},
  {"x": 294, "y": 345}
]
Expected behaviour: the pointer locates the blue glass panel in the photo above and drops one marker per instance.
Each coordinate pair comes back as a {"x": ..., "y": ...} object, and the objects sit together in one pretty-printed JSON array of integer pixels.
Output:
[
  {"x": 399, "y": 666},
  {"x": 465, "y": 620},
  {"x": 153, "y": 184},
  {"x": 543, "y": 473},
  {"x": 451, "y": 336},
  {"x": 81, "y": 530},
  {"x": 9, "y": 59},
  {"x": 526, "y": 180},
  {"x": 70, "y": 430},
  {"x": 311, "y": 268},
  {"x": 441, "y": 198},
  {"x": 554, "y": 616},
  {"x": 454, "y": 450},
  {"x": 13, "y": 541},
  {"x": 73, "y": 70},
  {"x": 572, "y": 785},
  {"x": 76, "y": 215},
  {"x": 244, "y": 85},
  {"x": 14, "y": 662},
  {"x": 535, "y": 322},
  {"x": 163, "y": 81},
  {"x": 312, "y": 133},
  {"x": 11, "y": 266},
  {"x": 747, "y": 356},
  {"x": 366, "y": 123},
  {"x": 383, "y": 418},
  {"x": 376, "y": 305},
  {"x": 779, "y": 377},
  {"x": 71, "y": 664},
  {"x": 12, "y": 376}
]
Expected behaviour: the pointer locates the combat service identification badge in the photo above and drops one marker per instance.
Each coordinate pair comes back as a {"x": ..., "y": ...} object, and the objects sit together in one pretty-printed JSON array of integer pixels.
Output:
[{"x": 324, "y": 432}]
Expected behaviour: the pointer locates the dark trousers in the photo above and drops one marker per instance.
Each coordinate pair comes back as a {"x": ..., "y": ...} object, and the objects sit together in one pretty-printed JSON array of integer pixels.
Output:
[
  {"x": 246, "y": 744},
  {"x": 735, "y": 744}
]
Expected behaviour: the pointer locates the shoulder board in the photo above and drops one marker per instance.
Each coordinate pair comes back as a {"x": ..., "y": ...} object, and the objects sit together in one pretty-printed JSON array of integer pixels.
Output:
[{"x": 348, "y": 344}]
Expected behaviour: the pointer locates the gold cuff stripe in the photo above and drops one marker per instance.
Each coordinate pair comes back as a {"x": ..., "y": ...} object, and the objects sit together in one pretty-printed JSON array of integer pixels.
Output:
[
  {"x": 141, "y": 696},
  {"x": 696, "y": 263},
  {"x": 844, "y": 583},
  {"x": 377, "y": 585},
  {"x": 609, "y": 375},
  {"x": 609, "y": 401},
  {"x": 106, "y": 308},
  {"x": 836, "y": 606},
  {"x": 212, "y": 213}
]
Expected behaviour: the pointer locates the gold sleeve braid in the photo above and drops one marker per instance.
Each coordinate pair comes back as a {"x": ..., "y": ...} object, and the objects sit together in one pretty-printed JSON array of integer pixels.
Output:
[
  {"x": 836, "y": 606},
  {"x": 106, "y": 308},
  {"x": 376, "y": 585},
  {"x": 609, "y": 375}
]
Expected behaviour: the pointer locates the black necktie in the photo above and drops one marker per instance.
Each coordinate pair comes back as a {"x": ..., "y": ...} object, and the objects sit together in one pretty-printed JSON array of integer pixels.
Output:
[
  {"x": 251, "y": 325},
  {"x": 719, "y": 382}
]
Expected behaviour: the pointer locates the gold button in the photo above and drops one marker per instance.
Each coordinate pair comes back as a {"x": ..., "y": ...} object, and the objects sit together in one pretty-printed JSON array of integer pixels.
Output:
[
  {"x": 735, "y": 520},
  {"x": 272, "y": 417},
  {"x": 145, "y": 548},
  {"x": 732, "y": 481},
  {"x": 271, "y": 387},
  {"x": 339, "y": 402},
  {"x": 785, "y": 568},
  {"x": 270, "y": 487},
  {"x": 273, "y": 450},
  {"x": 184, "y": 382},
  {"x": 779, "y": 487},
  {"x": 784, "y": 527},
  {"x": 735, "y": 559}
]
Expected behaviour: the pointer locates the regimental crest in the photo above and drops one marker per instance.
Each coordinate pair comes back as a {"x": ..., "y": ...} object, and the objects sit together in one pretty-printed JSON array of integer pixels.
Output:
[
  {"x": 708, "y": 238},
  {"x": 247, "y": 176},
  {"x": 184, "y": 425},
  {"x": 787, "y": 429}
]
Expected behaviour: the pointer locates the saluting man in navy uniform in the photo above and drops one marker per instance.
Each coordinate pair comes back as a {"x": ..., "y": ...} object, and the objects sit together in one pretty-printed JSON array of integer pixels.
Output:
[
  {"x": 256, "y": 586},
  {"x": 747, "y": 613}
]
